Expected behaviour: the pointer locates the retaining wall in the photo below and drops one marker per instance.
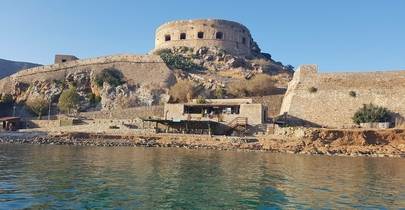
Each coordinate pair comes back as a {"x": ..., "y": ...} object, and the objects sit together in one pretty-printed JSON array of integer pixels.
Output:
[{"x": 331, "y": 99}]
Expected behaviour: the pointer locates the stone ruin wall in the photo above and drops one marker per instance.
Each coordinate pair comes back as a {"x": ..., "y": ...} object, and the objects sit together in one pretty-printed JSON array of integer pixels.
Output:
[
  {"x": 232, "y": 39},
  {"x": 145, "y": 69},
  {"x": 332, "y": 105}
]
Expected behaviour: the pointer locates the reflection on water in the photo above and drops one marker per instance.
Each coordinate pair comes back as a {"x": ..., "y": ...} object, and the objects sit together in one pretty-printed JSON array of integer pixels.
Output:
[{"x": 46, "y": 176}]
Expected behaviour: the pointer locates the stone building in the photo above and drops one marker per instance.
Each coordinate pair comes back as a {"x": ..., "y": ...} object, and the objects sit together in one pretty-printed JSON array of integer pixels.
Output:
[
  {"x": 231, "y": 36},
  {"x": 224, "y": 111},
  {"x": 65, "y": 58}
]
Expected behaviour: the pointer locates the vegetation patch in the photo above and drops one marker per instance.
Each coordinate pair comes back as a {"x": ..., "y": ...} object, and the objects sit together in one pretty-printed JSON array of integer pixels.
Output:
[
  {"x": 182, "y": 91},
  {"x": 371, "y": 113},
  {"x": 177, "y": 61},
  {"x": 69, "y": 101},
  {"x": 313, "y": 89},
  {"x": 259, "y": 85},
  {"x": 38, "y": 106},
  {"x": 112, "y": 76},
  {"x": 352, "y": 94}
]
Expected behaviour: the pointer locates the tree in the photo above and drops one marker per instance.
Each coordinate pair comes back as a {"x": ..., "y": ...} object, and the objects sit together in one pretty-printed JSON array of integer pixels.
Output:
[
  {"x": 6, "y": 98},
  {"x": 371, "y": 113},
  {"x": 38, "y": 105},
  {"x": 112, "y": 76},
  {"x": 69, "y": 100},
  {"x": 182, "y": 91}
]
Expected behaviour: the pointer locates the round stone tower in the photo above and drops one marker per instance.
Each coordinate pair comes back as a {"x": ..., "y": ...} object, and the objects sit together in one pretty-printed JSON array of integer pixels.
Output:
[{"x": 231, "y": 36}]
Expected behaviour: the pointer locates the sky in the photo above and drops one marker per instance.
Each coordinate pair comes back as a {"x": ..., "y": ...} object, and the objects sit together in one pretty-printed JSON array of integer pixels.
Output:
[{"x": 338, "y": 36}]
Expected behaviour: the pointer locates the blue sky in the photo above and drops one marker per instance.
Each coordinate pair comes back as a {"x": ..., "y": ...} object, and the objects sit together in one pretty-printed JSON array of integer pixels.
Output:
[{"x": 340, "y": 35}]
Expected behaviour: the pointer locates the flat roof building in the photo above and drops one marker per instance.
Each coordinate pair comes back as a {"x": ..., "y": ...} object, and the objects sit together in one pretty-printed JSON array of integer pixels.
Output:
[{"x": 224, "y": 111}]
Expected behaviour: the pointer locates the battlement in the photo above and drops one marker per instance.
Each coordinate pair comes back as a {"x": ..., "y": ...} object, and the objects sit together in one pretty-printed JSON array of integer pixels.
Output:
[
  {"x": 88, "y": 62},
  {"x": 331, "y": 99},
  {"x": 230, "y": 36}
]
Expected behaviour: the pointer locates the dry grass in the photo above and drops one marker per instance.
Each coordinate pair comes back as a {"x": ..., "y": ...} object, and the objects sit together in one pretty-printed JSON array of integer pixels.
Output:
[
  {"x": 259, "y": 85},
  {"x": 182, "y": 91}
]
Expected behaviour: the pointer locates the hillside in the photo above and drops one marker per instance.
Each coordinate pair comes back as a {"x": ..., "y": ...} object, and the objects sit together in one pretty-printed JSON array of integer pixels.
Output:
[{"x": 8, "y": 67}]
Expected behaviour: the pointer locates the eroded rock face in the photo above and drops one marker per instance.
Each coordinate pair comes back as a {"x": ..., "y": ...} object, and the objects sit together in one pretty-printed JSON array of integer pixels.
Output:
[{"x": 126, "y": 96}]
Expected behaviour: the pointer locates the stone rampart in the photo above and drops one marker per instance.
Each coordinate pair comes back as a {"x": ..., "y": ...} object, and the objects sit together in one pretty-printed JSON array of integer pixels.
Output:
[
  {"x": 146, "y": 69},
  {"x": 331, "y": 99},
  {"x": 228, "y": 35}
]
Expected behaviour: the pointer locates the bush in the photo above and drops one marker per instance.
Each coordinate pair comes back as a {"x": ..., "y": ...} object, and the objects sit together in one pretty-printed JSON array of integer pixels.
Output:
[
  {"x": 69, "y": 101},
  {"x": 161, "y": 51},
  {"x": 6, "y": 98},
  {"x": 182, "y": 91},
  {"x": 201, "y": 100},
  {"x": 352, "y": 93},
  {"x": 94, "y": 99},
  {"x": 237, "y": 88},
  {"x": 259, "y": 85},
  {"x": 312, "y": 89},
  {"x": 111, "y": 76},
  {"x": 176, "y": 61},
  {"x": 38, "y": 106},
  {"x": 371, "y": 113},
  {"x": 219, "y": 92}
]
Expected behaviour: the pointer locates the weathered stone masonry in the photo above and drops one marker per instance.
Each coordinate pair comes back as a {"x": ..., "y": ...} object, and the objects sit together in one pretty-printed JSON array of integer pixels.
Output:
[
  {"x": 228, "y": 35},
  {"x": 332, "y": 104},
  {"x": 146, "y": 69}
]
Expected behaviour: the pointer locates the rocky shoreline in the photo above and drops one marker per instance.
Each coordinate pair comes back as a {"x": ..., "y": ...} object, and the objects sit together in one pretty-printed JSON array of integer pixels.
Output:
[{"x": 263, "y": 143}]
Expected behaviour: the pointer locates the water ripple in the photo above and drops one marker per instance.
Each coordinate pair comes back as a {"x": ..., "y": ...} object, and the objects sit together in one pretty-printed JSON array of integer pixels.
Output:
[{"x": 66, "y": 177}]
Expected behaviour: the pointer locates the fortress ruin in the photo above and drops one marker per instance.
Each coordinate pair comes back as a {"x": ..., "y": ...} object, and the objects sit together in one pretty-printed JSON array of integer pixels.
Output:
[
  {"x": 231, "y": 36},
  {"x": 331, "y": 99}
]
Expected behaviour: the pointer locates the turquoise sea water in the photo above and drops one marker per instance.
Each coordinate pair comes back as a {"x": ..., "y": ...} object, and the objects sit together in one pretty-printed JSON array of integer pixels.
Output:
[{"x": 69, "y": 177}]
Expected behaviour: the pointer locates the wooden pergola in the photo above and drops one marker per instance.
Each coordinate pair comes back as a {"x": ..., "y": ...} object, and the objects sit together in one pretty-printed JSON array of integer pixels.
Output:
[{"x": 181, "y": 126}]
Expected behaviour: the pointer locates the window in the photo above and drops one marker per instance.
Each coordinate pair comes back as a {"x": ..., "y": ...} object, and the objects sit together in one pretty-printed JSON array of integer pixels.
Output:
[
  {"x": 183, "y": 36},
  {"x": 200, "y": 35},
  {"x": 219, "y": 35},
  {"x": 64, "y": 60},
  {"x": 243, "y": 40},
  {"x": 167, "y": 38}
]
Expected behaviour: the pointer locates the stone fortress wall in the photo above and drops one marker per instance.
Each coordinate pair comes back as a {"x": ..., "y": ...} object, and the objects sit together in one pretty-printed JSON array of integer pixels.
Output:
[
  {"x": 145, "y": 69},
  {"x": 333, "y": 104},
  {"x": 228, "y": 35}
]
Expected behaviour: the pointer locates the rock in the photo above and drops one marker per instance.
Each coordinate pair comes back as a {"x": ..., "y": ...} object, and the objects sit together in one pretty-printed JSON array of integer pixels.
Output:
[{"x": 202, "y": 51}]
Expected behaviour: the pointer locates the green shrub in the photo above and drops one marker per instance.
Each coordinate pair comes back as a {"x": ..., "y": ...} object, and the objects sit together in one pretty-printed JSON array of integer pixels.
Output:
[
  {"x": 371, "y": 113},
  {"x": 69, "y": 101},
  {"x": 38, "y": 106},
  {"x": 219, "y": 92},
  {"x": 201, "y": 100},
  {"x": 177, "y": 61},
  {"x": 94, "y": 99},
  {"x": 113, "y": 77},
  {"x": 6, "y": 99}
]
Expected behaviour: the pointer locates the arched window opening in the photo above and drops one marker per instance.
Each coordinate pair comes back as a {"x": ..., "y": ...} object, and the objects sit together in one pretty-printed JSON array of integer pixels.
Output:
[
  {"x": 167, "y": 38},
  {"x": 243, "y": 40},
  {"x": 183, "y": 36},
  {"x": 200, "y": 35},
  {"x": 219, "y": 35}
]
